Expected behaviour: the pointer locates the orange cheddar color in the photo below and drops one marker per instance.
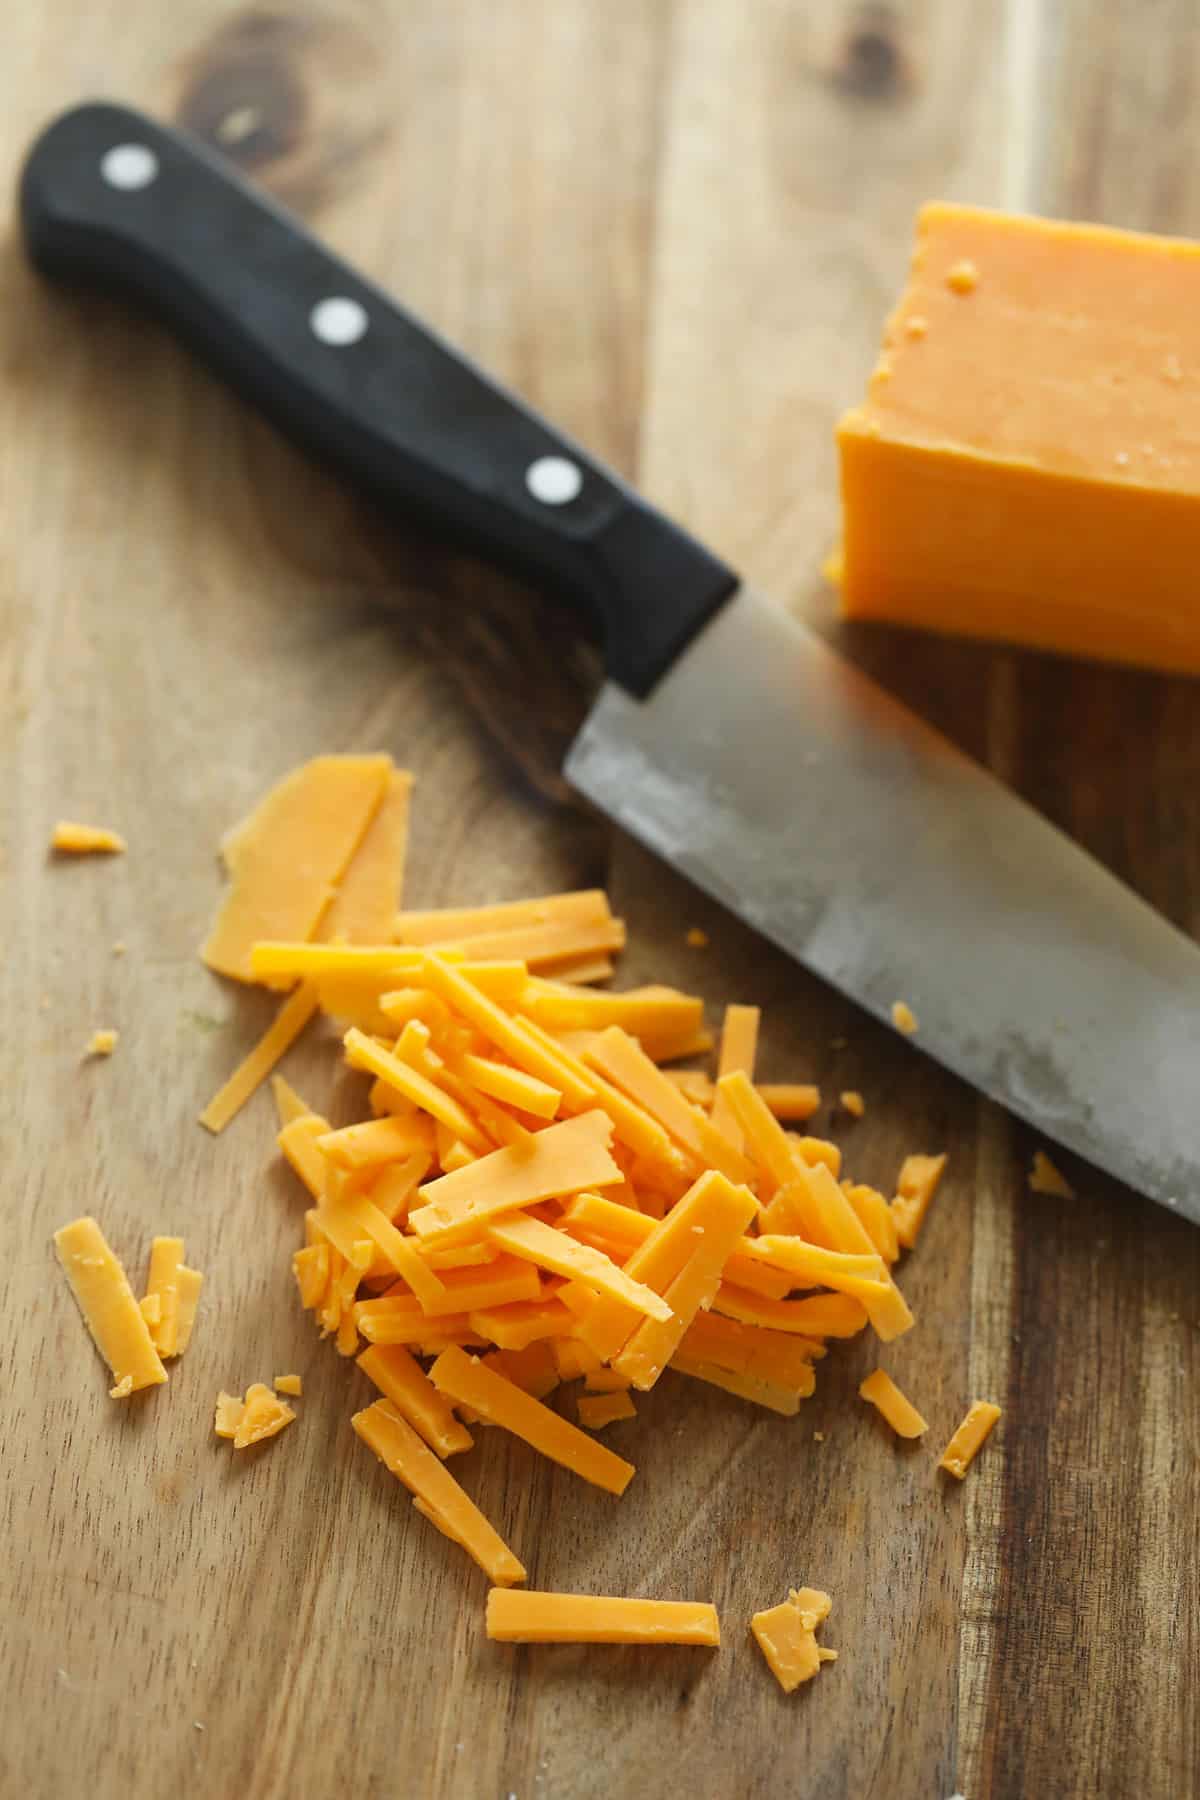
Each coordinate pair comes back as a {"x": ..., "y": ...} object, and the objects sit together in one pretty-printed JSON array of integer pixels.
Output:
[
  {"x": 761, "y": 1391},
  {"x": 562, "y": 1159},
  {"x": 1044, "y": 1178},
  {"x": 918, "y": 1183},
  {"x": 309, "y": 825},
  {"x": 587, "y": 907},
  {"x": 102, "y": 1042},
  {"x": 401, "y": 1379},
  {"x": 899, "y": 1412},
  {"x": 562, "y": 1255},
  {"x": 968, "y": 1440},
  {"x": 364, "y": 906},
  {"x": 786, "y": 1636},
  {"x": 853, "y": 1103},
  {"x": 311, "y": 1269},
  {"x": 247, "y": 1078},
  {"x": 1042, "y": 407},
  {"x": 401, "y": 1451},
  {"x": 464, "y": 1380},
  {"x": 791, "y": 1101},
  {"x": 739, "y": 1048},
  {"x": 298, "y": 1141},
  {"x": 228, "y": 1417},
  {"x": 291, "y": 1385},
  {"x": 520, "y": 1323},
  {"x": 162, "y": 1282},
  {"x": 533, "y": 1618},
  {"x": 288, "y": 1104},
  {"x": 532, "y": 1369},
  {"x": 598, "y": 1410},
  {"x": 70, "y": 839},
  {"x": 110, "y": 1311},
  {"x": 264, "y": 1415},
  {"x": 876, "y": 1218}
]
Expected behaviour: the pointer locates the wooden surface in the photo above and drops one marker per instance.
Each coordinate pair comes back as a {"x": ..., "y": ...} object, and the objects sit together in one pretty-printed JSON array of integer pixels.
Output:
[{"x": 677, "y": 227}]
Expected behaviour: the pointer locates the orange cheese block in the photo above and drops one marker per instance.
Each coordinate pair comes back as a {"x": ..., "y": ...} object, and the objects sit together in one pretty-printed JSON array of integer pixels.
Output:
[
  {"x": 530, "y": 1618},
  {"x": 1026, "y": 465}
]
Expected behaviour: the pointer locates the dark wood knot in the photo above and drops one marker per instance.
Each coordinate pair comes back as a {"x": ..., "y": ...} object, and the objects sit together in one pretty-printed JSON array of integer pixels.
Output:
[{"x": 871, "y": 63}]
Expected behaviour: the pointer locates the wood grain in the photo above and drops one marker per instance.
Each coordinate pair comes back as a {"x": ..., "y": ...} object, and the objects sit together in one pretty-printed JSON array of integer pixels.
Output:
[{"x": 676, "y": 225}]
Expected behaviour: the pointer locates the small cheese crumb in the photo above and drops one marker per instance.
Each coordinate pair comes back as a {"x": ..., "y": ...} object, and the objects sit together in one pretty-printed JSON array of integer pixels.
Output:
[
  {"x": 818, "y": 1437},
  {"x": 904, "y": 1018},
  {"x": 963, "y": 278},
  {"x": 102, "y": 1043},
  {"x": 70, "y": 839},
  {"x": 123, "y": 1388},
  {"x": 119, "y": 947},
  {"x": 697, "y": 939},
  {"x": 854, "y": 1103},
  {"x": 288, "y": 1384},
  {"x": 1044, "y": 1178}
]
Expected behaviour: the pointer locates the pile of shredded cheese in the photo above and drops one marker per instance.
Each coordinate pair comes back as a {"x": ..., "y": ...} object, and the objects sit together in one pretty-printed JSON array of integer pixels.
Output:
[{"x": 537, "y": 1193}]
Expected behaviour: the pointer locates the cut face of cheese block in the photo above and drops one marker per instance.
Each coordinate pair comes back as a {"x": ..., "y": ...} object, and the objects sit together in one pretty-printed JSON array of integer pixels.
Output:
[
  {"x": 598, "y": 1619},
  {"x": 785, "y": 1635},
  {"x": 286, "y": 859},
  {"x": 110, "y": 1311},
  {"x": 1026, "y": 465},
  {"x": 399, "y": 1448}
]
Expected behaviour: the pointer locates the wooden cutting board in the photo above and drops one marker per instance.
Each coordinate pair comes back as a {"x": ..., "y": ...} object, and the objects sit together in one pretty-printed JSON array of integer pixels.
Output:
[{"x": 677, "y": 227}]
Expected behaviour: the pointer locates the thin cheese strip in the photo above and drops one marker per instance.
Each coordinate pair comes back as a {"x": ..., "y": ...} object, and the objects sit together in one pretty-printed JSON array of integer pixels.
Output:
[
  {"x": 401, "y": 1379},
  {"x": 507, "y": 1034},
  {"x": 875, "y": 1216},
  {"x": 584, "y": 969},
  {"x": 918, "y": 1183},
  {"x": 618, "y": 1230},
  {"x": 229, "y": 1411},
  {"x": 401, "y": 1451},
  {"x": 368, "y": 894},
  {"x": 288, "y": 1104},
  {"x": 562, "y": 1255},
  {"x": 653, "y": 1015},
  {"x": 725, "y": 1217},
  {"x": 695, "y": 1086},
  {"x": 791, "y": 1101},
  {"x": 71, "y": 839},
  {"x": 110, "y": 1311},
  {"x": 162, "y": 1280},
  {"x": 605, "y": 1381},
  {"x": 561, "y": 1160},
  {"x": 309, "y": 824},
  {"x": 585, "y": 907},
  {"x": 888, "y": 1312},
  {"x": 968, "y": 1440},
  {"x": 291, "y": 1385},
  {"x": 623, "y": 1062},
  {"x": 861, "y": 1274},
  {"x": 598, "y": 1410},
  {"x": 363, "y": 1052},
  {"x": 253, "y": 1070},
  {"x": 462, "y": 1379},
  {"x": 540, "y": 946},
  {"x": 532, "y": 1369},
  {"x": 298, "y": 1141},
  {"x": 348, "y": 1218},
  {"x": 822, "y": 1315},
  {"x": 522, "y": 1322},
  {"x": 513, "y": 1086},
  {"x": 752, "y": 1350},
  {"x": 401, "y": 1319},
  {"x": 764, "y": 1138},
  {"x": 278, "y": 960},
  {"x": 377, "y": 1141},
  {"x": 814, "y": 1150},
  {"x": 776, "y": 1396},
  {"x": 632, "y": 1125},
  {"x": 311, "y": 1269},
  {"x": 395, "y": 1189},
  {"x": 598, "y": 1619},
  {"x": 739, "y": 1049},
  {"x": 899, "y": 1412}
]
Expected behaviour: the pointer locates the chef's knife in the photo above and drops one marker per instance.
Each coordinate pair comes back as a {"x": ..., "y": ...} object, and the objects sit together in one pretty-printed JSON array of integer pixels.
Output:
[{"x": 727, "y": 737}]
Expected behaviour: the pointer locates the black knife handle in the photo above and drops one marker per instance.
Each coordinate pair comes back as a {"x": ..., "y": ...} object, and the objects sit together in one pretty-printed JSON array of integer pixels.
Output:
[{"x": 111, "y": 197}]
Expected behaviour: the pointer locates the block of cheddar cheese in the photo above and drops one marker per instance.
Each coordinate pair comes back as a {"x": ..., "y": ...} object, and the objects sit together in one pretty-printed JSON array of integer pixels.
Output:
[{"x": 1026, "y": 465}]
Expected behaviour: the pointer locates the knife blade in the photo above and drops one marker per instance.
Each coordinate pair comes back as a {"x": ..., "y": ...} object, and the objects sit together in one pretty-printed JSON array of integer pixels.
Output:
[{"x": 728, "y": 737}]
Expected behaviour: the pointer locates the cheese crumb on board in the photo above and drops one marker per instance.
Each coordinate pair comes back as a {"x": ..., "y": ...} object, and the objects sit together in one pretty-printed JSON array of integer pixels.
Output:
[
  {"x": 1044, "y": 1178},
  {"x": 110, "y": 1311},
  {"x": 71, "y": 839},
  {"x": 786, "y": 1635},
  {"x": 853, "y": 1103},
  {"x": 904, "y": 1018},
  {"x": 519, "y": 1616},
  {"x": 102, "y": 1043},
  {"x": 968, "y": 1440},
  {"x": 696, "y": 938},
  {"x": 261, "y": 1415},
  {"x": 292, "y": 1385},
  {"x": 899, "y": 1411}
]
